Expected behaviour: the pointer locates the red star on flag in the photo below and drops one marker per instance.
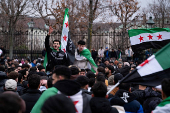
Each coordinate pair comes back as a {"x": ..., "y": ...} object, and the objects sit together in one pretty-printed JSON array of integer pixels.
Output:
[
  {"x": 150, "y": 37},
  {"x": 159, "y": 37},
  {"x": 146, "y": 61},
  {"x": 66, "y": 24},
  {"x": 141, "y": 38},
  {"x": 75, "y": 102},
  {"x": 65, "y": 37},
  {"x": 64, "y": 50}
]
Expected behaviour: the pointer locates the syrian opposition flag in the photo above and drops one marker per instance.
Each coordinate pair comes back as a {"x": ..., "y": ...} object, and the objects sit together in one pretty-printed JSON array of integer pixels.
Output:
[
  {"x": 149, "y": 38},
  {"x": 66, "y": 43},
  {"x": 152, "y": 71},
  {"x": 91, "y": 65}
]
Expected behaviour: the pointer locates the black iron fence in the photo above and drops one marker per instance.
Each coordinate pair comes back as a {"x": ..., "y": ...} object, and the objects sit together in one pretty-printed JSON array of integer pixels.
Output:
[{"x": 22, "y": 41}]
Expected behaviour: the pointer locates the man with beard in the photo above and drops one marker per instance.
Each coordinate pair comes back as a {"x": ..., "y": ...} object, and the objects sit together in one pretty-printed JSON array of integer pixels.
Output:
[{"x": 54, "y": 56}]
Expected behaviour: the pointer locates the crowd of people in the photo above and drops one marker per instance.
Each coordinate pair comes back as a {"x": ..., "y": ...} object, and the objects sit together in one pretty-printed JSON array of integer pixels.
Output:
[{"x": 57, "y": 87}]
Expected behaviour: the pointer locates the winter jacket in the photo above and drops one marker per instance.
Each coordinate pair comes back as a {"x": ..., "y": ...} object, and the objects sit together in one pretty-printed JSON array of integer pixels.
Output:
[
  {"x": 69, "y": 88},
  {"x": 54, "y": 58},
  {"x": 107, "y": 55},
  {"x": 113, "y": 54},
  {"x": 20, "y": 89},
  {"x": 127, "y": 100},
  {"x": 30, "y": 98},
  {"x": 101, "y": 52},
  {"x": 3, "y": 78},
  {"x": 152, "y": 99},
  {"x": 163, "y": 107},
  {"x": 101, "y": 105}
]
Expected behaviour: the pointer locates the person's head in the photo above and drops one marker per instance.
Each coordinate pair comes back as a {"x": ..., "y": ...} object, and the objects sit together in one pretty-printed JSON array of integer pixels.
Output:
[
  {"x": 56, "y": 44},
  {"x": 34, "y": 81},
  {"x": 101, "y": 47},
  {"x": 33, "y": 69},
  {"x": 34, "y": 61},
  {"x": 83, "y": 81},
  {"x": 100, "y": 77},
  {"x": 20, "y": 78},
  {"x": 10, "y": 85},
  {"x": 111, "y": 80},
  {"x": 27, "y": 60},
  {"x": 128, "y": 48},
  {"x": 124, "y": 86},
  {"x": 106, "y": 48},
  {"x": 99, "y": 89},
  {"x": 100, "y": 69},
  {"x": 82, "y": 72},
  {"x": 2, "y": 68},
  {"x": 24, "y": 73},
  {"x": 117, "y": 77},
  {"x": 41, "y": 68},
  {"x": 61, "y": 73},
  {"x": 165, "y": 88},
  {"x": 11, "y": 103},
  {"x": 91, "y": 82},
  {"x": 81, "y": 45},
  {"x": 25, "y": 66},
  {"x": 75, "y": 72},
  {"x": 119, "y": 65},
  {"x": 13, "y": 75},
  {"x": 109, "y": 69},
  {"x": 106, "y": 62},
  {"x": 90, "y": 74}
]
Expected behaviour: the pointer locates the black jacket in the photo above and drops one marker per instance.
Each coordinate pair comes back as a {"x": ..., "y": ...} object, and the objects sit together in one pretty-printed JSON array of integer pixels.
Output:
[
  {"x": 113, "y": 54},
  {"x": 30, "y": 98},
  {"x": 20, "y": 89},
  {"x": 3, "y": 78},
  {"x": 101, "y": 105},
  {"x": 54, "y": 58}
]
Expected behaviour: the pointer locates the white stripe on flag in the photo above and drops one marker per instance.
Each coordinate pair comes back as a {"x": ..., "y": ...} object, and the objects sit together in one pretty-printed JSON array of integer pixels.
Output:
[
  {"x": 135, "y": 39},
  {"x": 151, "y": 67}
]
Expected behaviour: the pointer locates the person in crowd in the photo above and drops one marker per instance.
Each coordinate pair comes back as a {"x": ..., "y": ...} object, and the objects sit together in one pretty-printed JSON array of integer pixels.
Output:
[
  {"x": 11, "y": 103},
  {"x": 119, "y": 53},
  {"x": 3, "y": 78},
  {"x": 58, "y": 104},
  {"x": 32, "y": 94},
  {"x": 41, "y": 68},
  {"x": 62, "y": 84},
  {"x": 109, "y": 70},
  {"x": 163, "y": 107},
  {"x": 83, "y": 59},
  {"x": 129, "y": 53},
  {"x": 124, "y": 98},
  {"x": 74, "y": 72},
  {"x": 82, "y": 72},
  {"x": 33, "y": 63},
  {"x": 101, "y": 52},
  {"x": 113, "y": 54},
  {"x": 11, "y": 85},
  {"x": 55, "y": 55},
  {"x": 107, "y": 53},
  {"x": 43, "y": 83},
  {"x": 106, "y": 62},
  {"x": 99, "y": 102},
  {"x": 94, "y": 54},
  {"x": 27, "y": 61}
]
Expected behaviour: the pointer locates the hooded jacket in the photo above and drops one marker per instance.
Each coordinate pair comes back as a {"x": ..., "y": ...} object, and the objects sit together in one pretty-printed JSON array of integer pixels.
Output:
[
  {"x": 127, "y": 100},
  {"x": 101, "y": 105},
  {"x": 3, "y": 78},
  {"x": 69, "y": 88}
]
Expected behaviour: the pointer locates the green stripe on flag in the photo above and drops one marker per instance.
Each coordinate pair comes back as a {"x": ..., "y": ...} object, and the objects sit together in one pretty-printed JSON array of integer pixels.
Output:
[
  {"x": 163, "y": 57},
  {"x": 135, "y": 32}
]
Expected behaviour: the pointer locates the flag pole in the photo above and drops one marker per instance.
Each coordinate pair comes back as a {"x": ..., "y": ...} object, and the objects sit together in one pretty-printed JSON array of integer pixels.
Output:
[{"x": 121, "y": 80}]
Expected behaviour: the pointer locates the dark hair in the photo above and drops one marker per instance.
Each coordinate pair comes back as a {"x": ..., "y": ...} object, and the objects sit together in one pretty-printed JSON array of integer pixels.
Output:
[
  {"x": 23, "y": 72},
  {"x": 100, "y": 77},
  {"x": 49, "y": 82},
  {"x": 81, "y": 42},
  {"x": 91, "y": 82},
  {"x": 99, "y": 89},
  {"x": 83, "y": 70},
  {"x": 117, "y": 77},
  {"x": 20, "y": 77},
  {"x": 63, "y": 71},
  {"x": 10, "y": 103},
  {"x": 82, "y": 80},
  {"x": 25, "y": 66},
  {"x": 34, "y": 81},
  {"x": 56, "y": 41},
  {"x": 74, "y": 70},
  {"x": 13, "y": 75},
  {"x": 166, "y": 86},
  {"x": 90, "y": 74},
  {"x": 124, "y": 86},
  {"x": 2, "y": 68},
  {"x": 125, "y": 70},
  {"x": 33, "y": 69},
  {"x": 10, "y": 70},
  {"x": 110, "y": 68},
  {"x": 40, "y": 67},
  {"x": 101, "y": 69},
  {"x": 27, "y": 59}
]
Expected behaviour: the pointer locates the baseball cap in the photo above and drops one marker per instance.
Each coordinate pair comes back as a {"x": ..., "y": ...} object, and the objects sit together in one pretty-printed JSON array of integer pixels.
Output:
[{"x": 10, "y": 84}]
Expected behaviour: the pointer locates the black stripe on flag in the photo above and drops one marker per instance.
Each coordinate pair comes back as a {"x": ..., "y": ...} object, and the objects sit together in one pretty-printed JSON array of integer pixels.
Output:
[
  {"x": 152, "y": 44},
  {"x": 148, "y": 80},
  {"x": 70, "y": 50}
]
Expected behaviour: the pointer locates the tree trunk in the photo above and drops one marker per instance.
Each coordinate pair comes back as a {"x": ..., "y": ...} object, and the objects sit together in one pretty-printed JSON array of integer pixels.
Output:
[{"x": 90, "y": 25}]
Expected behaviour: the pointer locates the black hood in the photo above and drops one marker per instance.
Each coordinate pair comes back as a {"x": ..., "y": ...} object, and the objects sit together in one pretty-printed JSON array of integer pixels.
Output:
[
  {"x": 100, "y": 105},
  {"x": 148, "y": 92},
  {"x": 67, "y": 87},
  {"x": 122, "y": 97}
]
